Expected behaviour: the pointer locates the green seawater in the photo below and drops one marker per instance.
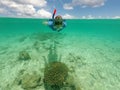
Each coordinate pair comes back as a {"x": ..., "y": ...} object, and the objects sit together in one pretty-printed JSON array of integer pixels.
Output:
[
  {"x": 89, "y": 47},
  {"x": 96, "y": 26},
  {"x": 79, "y": 25}
]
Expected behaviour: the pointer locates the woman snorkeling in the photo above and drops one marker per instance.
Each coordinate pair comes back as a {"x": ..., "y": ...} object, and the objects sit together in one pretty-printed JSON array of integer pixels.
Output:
[{"x": 57, "y": 23}]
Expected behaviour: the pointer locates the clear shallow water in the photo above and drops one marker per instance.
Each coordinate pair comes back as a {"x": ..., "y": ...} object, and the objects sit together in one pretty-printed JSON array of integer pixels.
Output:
[{"x": 90, "y": 49}]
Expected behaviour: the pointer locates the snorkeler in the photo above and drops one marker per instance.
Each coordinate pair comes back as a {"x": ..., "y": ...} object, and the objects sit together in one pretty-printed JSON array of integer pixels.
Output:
[{"x": 57, "y": 23}]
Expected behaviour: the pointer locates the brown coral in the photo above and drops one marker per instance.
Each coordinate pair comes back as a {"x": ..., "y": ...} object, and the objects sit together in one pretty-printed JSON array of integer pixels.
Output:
[{"x": 55, "y": 74}]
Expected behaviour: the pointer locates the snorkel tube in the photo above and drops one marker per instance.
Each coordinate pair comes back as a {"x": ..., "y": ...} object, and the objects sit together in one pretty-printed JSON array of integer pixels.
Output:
[{"x": 54, "y": 13}]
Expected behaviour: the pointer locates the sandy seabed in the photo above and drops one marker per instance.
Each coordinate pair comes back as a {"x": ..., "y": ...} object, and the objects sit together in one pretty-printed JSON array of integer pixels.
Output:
[{"x": 94, "y": 62}]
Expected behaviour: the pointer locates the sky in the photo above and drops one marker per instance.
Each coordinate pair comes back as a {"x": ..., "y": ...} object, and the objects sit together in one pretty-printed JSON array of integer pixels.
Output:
[{"x": 84, "y": 9}]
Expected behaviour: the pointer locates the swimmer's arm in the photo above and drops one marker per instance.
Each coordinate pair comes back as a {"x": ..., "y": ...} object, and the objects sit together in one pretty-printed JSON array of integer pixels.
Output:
[
  {"x": 64, "y": 23},
  {"x": 45, "y": 23},
  {"x": 49, "y": 22}
]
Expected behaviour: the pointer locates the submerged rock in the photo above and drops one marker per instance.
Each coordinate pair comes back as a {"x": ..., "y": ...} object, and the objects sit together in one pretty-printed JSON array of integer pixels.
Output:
[
  {"x": 24, "y": 55},
  {"x": 26, "y": 81},
  {"x": 29, "y": 81}
]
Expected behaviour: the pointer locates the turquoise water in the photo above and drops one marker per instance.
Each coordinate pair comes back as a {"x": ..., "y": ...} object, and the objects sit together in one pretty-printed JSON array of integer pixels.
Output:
[{"x": 89, "y": 48}]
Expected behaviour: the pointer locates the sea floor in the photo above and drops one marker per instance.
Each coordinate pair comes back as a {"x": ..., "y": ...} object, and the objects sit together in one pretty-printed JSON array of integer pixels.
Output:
[{"x": 93, "y": 60}]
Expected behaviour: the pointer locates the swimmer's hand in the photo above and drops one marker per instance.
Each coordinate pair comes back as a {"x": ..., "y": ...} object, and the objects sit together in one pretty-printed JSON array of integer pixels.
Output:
[{"x": 45, "y": 22}]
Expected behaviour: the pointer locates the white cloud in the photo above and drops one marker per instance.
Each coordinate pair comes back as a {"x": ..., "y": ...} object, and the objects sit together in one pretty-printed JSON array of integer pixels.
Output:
[
  {"x": 83, "y": 17},
  {"x": 36, "y": 3},
  {"x": 100, "y": 17},
  {"x": 68, "y": 6},
  {"x": 68, "y": 16},
  {"x": 88, "y": 17},
  {"x": 43, "y": 13},
  {"x": 84, "y": 3},
  {"x": 2, "y": 10},
  {"x": 116, "y": 17},
  {"x": 15, "y": 8},
  {"x": 26, "y": 8}
]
